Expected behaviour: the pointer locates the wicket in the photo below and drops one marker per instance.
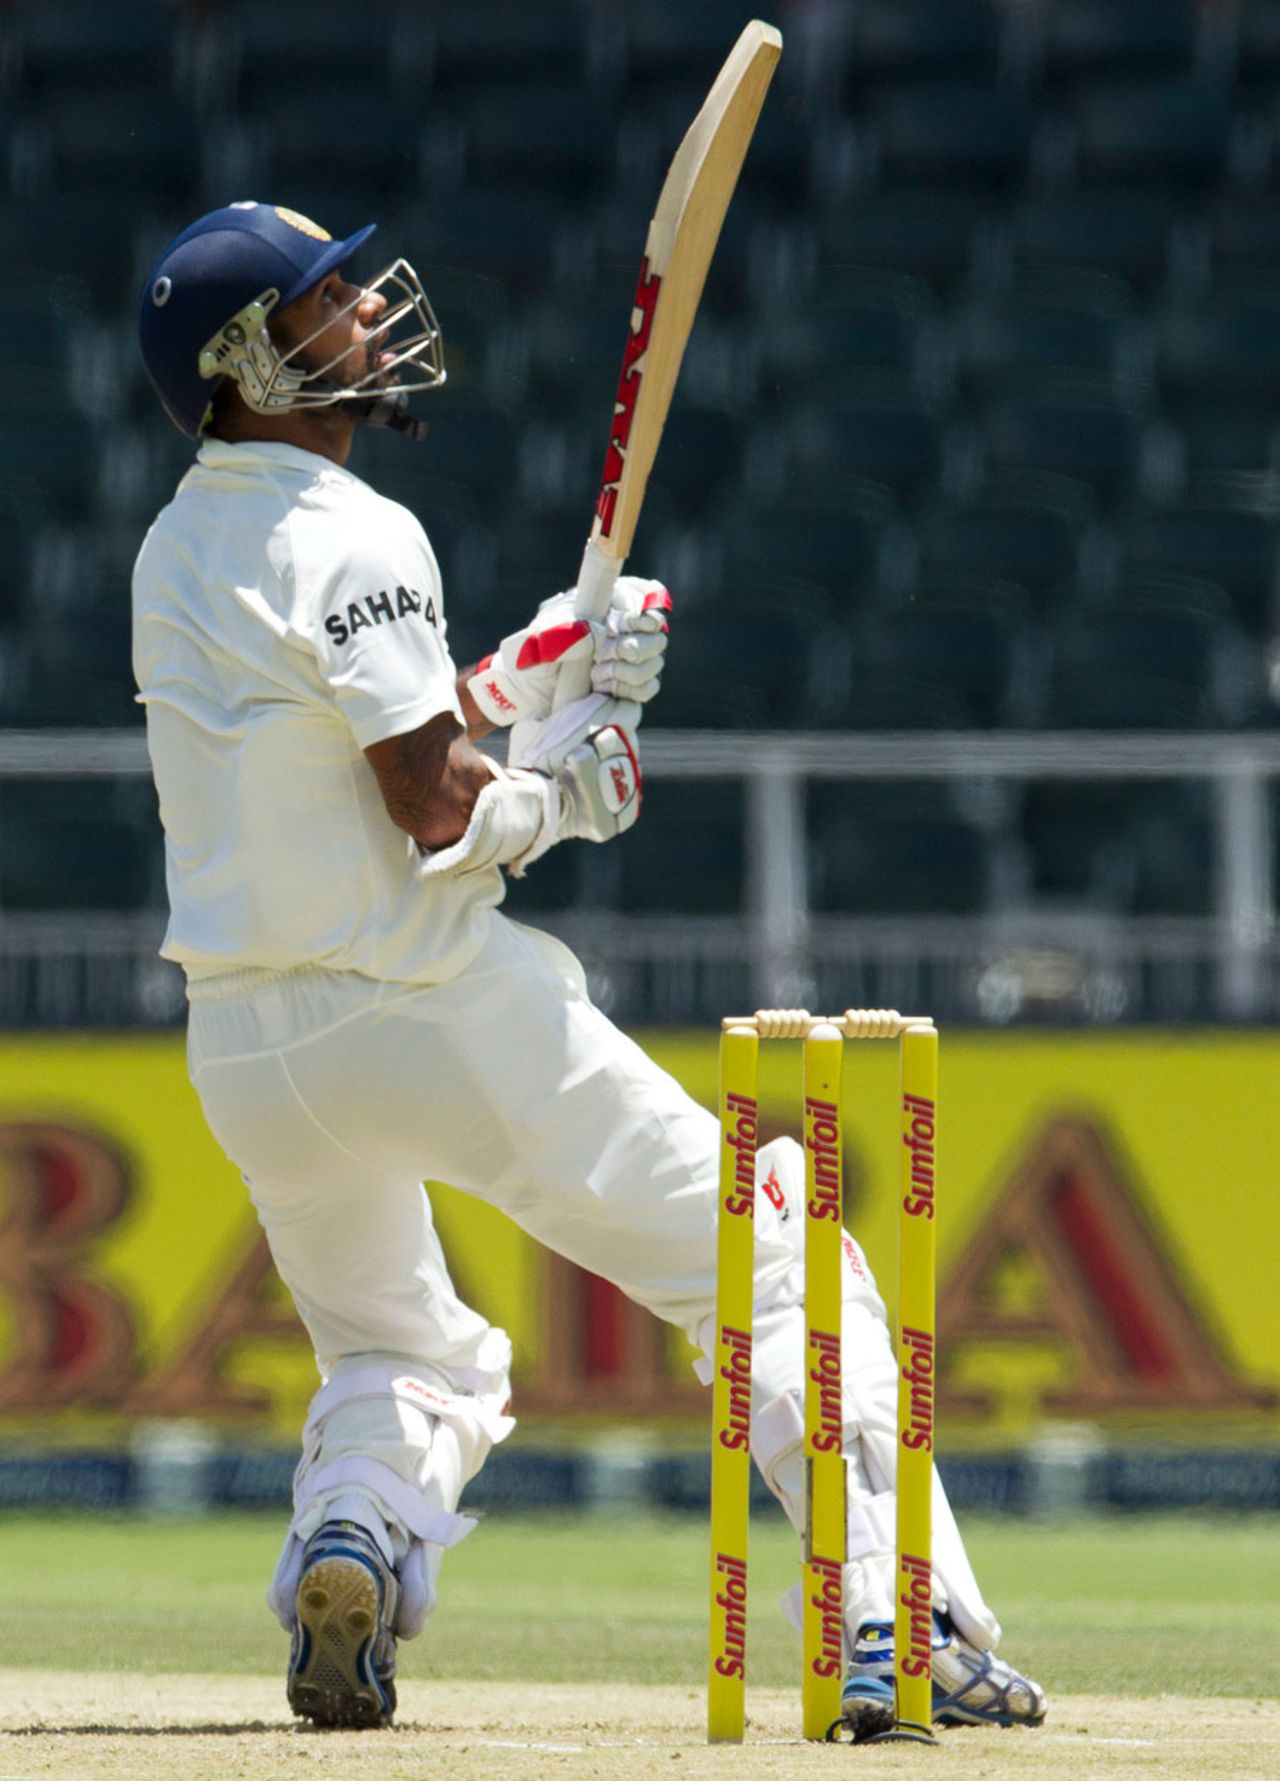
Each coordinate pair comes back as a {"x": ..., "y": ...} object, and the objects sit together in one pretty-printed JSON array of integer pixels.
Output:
[{"x": 824, "y": 1540}]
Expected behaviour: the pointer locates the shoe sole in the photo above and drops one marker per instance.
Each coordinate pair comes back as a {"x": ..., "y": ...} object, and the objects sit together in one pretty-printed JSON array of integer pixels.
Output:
[
  {"x": 866, "y": 1719},
  {"x": 867, "y": 1715},
  {"x": 338, "y": 1613}
]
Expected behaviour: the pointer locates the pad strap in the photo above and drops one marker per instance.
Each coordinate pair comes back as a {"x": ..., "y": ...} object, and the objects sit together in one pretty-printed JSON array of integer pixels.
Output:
[
  {"x": 440, "y": 1526},
  {"x": 388, "y": 1380}
]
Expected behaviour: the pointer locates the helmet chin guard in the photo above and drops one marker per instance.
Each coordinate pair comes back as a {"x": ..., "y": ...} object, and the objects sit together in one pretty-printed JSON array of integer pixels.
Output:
[{"x": 272, "y": 382}]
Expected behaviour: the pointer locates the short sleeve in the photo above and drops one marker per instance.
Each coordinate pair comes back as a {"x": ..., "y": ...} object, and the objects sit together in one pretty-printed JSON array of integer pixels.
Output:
[{"x": 376, "y": 623}]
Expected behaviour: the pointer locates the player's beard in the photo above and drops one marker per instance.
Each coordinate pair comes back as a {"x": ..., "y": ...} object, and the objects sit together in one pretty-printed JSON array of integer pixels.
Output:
[{"x": 356, "y": 370}]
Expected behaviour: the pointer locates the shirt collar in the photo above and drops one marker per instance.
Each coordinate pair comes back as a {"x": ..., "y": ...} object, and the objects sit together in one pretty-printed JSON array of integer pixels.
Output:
[{"x": 221, "y": 454}]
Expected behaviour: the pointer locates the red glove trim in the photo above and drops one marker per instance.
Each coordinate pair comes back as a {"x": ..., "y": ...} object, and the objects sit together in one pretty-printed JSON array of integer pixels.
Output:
[
  {"x": 550, "y": 645},
  {"x": 658, "y": 601},
  {"x": 617, "y": 772}
]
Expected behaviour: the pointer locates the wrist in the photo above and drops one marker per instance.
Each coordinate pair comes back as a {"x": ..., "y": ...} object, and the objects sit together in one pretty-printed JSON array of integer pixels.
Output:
[{"x": 490, "y": 690}]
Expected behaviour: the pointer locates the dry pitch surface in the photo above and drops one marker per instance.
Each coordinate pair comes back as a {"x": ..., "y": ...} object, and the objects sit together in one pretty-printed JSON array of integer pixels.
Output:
[
  {"x": 215, "y": 1728},
  {"x": 541, "y": 1617}
]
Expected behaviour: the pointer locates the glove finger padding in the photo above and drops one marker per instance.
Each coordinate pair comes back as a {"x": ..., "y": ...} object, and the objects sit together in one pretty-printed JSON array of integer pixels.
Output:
[
  {"x": 601, "y": 784},
  {"x": 589, "y": 749},
  {"x": 631, "y": 640},
  {"x": 638, "y": 604},
  {"x": 628, "y": 666},
  {"x": 630, "y": 646}
]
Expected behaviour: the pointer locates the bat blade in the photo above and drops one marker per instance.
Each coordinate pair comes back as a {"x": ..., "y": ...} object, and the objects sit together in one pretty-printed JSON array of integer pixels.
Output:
[{"x": 682, "y": 238}]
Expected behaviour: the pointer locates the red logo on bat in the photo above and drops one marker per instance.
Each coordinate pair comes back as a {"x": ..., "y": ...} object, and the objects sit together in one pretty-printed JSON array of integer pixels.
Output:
[{"x": 624, "y": 406}]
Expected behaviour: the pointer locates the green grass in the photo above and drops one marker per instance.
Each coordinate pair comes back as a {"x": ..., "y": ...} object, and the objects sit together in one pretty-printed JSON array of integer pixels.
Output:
[{"x": 1124, "y": 1606}]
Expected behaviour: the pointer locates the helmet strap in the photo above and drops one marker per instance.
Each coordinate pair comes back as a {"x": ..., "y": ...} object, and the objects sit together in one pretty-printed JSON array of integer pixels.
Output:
[{"x": 392, "y": 411}]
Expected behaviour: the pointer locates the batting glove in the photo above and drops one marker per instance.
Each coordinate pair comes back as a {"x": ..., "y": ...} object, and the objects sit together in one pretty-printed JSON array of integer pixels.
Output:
[
  {"x": 589, "y": 749},
  {"x": 518, "y": 681}
]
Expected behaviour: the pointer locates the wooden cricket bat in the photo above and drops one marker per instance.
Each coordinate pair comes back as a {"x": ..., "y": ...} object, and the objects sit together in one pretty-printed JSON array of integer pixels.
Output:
[{"x": 682, "y": 238}]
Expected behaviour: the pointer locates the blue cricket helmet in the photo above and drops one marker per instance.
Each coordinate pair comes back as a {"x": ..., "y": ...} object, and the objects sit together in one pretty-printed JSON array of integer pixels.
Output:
[{"x": 208, "y": 274}]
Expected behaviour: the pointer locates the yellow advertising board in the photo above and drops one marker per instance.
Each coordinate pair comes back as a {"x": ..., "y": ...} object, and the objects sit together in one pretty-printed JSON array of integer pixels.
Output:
[{"x": 1108, "y": 1227}]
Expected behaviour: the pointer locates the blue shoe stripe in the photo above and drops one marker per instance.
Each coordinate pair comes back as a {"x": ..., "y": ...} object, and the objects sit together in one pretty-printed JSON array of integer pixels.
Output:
[{"x": 867, "y": 1688}]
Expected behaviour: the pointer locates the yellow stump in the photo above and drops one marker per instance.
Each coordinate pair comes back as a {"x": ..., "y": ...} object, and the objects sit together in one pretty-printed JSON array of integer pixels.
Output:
[
  {"x": 731, "y": 1392},
  {"x": 823, "y": 1408},
  {"x": 917, "y": 1377}
]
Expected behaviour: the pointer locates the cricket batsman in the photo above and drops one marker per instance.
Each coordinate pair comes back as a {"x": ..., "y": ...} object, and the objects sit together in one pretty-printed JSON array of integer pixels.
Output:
[{"x": 363, "y": 1017}]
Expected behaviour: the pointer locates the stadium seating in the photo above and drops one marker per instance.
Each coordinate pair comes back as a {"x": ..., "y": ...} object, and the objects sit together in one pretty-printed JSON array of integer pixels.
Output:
[
  {"x": 1084, "y": 38},
  {"x": 893, "y": 862},
  {"x": 95, "y": 45},
  {"x": 853, "y": 324},
  {"x": 1072, "y": 321},
  {"x": 1224, "y": 342},
  {"x": 472, "y": 313},
  {"x": 954, "y": 651},
  {"x": 1140, "y": 666},
  {"x": 1172, "y": 865},
  {"x": 111, "y": 145},
  {"x": 836, "y": 529},
  {"x": 50, "y": 462},
  {"x": 549, "y": 135},
  {"x": 473, "y": 42},
  {"x": 16, "y": 541},
  {"x": 692, "y": 858},
  {"x": 1225, "y": 529},
  {"x": 568, "y": 357},
  {"x": 82, "y": 240},
  {"x": 888, "y": 39},
  {"x": 702, "y": 448},
  {"x": 554, "y": 883},
  {"x": 73, "y": 674},
  {"x": 1067, "y": 428},
  {"x": 786, "y": 158},
  {"x": 665, "y": 43},
  {"x": 69, "y": 846},
  {"x": 297, "y": 46},
  {"x": 1174, "y": 132},
  {"x": 1213, "y": 436},
  {"x": 1258, "y": 43},
  {"x": 765, "y": 671},
  {"x": 1242, "y": 232},
  {"x": 379, "y": 146},
  {"x": 895, "y": 440},
  {"x": 979, "y": 423},
  {"x": 1030, "y": 529},
  {"x": 942, "y": 133},
  {"x": 1080, "y": 837},
  {"x": 938, "y": 235},
  {"x": 739, "y": 271},
  {"x": 1122, "y": 231},
  {"x": 505, "y": 235}
]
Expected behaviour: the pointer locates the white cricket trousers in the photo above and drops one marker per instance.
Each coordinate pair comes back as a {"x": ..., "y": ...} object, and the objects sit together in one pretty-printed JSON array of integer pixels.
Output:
[{"x": 337, "y": 1096}]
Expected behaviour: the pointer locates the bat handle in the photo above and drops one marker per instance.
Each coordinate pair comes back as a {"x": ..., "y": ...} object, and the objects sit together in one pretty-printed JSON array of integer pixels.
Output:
[{"x": 596, "y": 577}]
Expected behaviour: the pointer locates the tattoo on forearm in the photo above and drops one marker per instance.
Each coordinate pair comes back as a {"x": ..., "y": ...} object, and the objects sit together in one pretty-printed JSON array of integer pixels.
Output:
[
  {"x": 430, "y": 779},
  {"x": 411, "y": 778}
]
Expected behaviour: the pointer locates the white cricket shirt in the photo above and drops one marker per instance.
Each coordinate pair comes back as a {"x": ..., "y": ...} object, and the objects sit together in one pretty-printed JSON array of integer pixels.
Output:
[{"x": 285, "y": 616}]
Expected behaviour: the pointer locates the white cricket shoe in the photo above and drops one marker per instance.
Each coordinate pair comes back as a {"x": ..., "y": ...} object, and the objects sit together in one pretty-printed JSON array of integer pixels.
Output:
[
  {"x": 342, "y": 1663},
  {"x": 970, "y": 1687}
]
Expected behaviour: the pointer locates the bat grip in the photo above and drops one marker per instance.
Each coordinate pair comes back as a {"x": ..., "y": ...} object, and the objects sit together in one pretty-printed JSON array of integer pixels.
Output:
[{"x": 596, "y": 577}]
